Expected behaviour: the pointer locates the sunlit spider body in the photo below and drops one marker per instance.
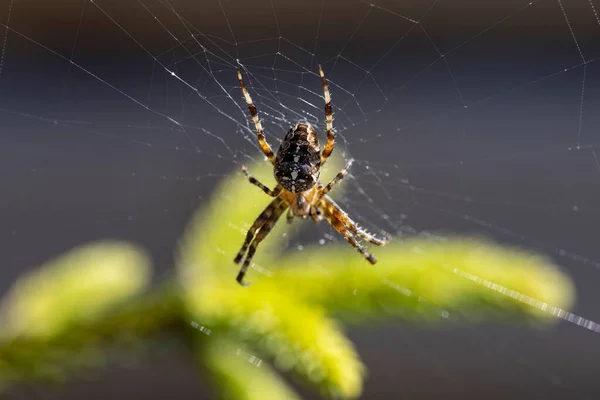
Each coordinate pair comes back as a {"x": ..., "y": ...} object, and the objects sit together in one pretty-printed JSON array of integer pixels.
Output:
[
  {"x": 297, "y": 168},
  {"x": 298, "y": 161}
]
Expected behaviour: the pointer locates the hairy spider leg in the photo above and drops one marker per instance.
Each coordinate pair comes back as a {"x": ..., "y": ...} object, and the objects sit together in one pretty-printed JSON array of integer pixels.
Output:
[
  {"x": 329, "y": 120},
  {"x": 258, "y": 223},
  {"x": 337, "y": 178},
  {"x": 269, "y": 223},
  {"x": 265, "y": 147},
  {"x": 337, "y": 219},
  {"x": 333, "y": 209},
  {"x": 369, "y": 237},
  {"x": 273, "y": 193},
  {"x": 351, "y": 225}
]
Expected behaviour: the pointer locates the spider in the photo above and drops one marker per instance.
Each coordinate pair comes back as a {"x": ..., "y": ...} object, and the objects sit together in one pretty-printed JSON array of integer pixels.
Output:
[{"x": 297, "y": 167}]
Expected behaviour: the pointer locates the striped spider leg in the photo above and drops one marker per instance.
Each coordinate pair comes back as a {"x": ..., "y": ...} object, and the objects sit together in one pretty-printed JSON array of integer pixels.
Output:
[{"x": 262, "y": 141}]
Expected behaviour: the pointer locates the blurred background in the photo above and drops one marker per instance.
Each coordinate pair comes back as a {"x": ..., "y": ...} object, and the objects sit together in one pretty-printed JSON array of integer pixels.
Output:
[{"x": 118, "y": 118}]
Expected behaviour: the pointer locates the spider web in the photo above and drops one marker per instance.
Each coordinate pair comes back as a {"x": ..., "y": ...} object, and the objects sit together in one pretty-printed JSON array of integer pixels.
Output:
[{"x": 462, "y": 117}]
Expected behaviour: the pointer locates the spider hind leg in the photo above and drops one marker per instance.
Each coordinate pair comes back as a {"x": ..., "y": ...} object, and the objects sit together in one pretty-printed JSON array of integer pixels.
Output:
[
  {"x": 264, "y": 146},
  {"x": 328, "y": 119}
]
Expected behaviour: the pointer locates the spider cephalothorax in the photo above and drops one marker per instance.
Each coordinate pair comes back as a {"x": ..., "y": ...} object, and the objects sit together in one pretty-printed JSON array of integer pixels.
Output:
[{"x": 297, "y": 167}]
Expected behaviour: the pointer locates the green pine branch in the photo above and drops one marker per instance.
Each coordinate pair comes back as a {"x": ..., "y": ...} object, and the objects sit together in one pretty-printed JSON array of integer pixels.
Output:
[{"x": 63, "y": 317}]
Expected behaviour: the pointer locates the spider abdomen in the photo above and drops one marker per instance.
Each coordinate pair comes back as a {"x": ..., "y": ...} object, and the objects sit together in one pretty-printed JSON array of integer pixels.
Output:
[{"x": 298, "y": 161}]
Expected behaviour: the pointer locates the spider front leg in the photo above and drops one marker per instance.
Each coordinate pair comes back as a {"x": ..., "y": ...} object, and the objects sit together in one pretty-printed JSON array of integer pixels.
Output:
[
  {"x": 265, "y": 147},
  {"x": 266, "y": 224},
  {"x": 338, "y": 225},
  {"x": 369, "y": 237},
  {"x": 258, "y": 223},
  {"x": 328, "y": 118},
  {"x": 273, "y": 193},
  {"x": 334, "y": 210}
]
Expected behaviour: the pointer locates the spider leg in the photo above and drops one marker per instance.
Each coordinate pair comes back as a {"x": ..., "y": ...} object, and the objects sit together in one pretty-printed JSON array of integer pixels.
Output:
[
  {"x": 273, "y": 193},
  {"x": 265, "y": 147},
  {"x": 262, "y": 233},
  {"x": 258, "y": 223},
  {"x": 328, "y": 118},
  {"x": 337, "y": 178},
  {"x": 333, "y": 209},
  {"x": 339, "y": 225},
  {"x": 369, "y": 237}
]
